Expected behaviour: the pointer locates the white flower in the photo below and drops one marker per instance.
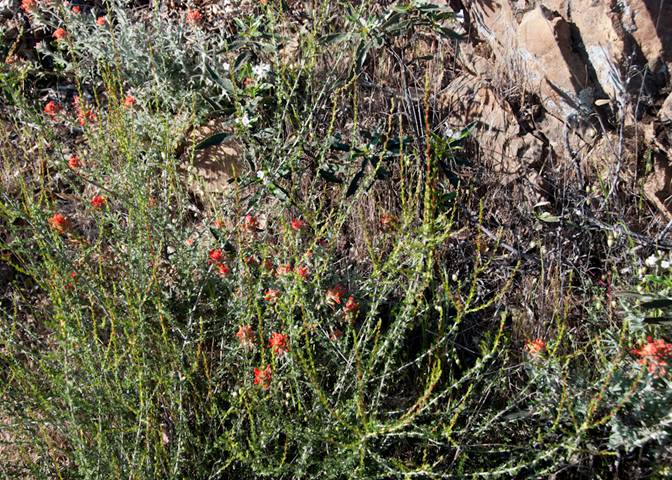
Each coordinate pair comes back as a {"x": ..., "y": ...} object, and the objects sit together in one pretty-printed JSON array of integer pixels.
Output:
[
  {"x": 245, "y": 120},
  {"x": 226, "y": 66},
  {"x": 261, "y": 175},
  {"x": 665, "y": 264},
  {"x": 449, "y": 132},
  {"x": 260, "y": 71},
  {"x": 651, "y": 261}
]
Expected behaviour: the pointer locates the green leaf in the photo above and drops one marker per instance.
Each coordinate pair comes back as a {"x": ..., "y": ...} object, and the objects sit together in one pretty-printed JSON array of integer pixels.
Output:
[
  {"x": 215, "y": 139},
  {"x": 278, "y": 192},
  {"x": 225, "y": 83},
  {"x": 657, "y": 303},
  {"x": 361, "y": 54},
  {"x": 354, "y": 183},
  {"x": 334, "y": 38},
  {"x": 548, "y": 218}
]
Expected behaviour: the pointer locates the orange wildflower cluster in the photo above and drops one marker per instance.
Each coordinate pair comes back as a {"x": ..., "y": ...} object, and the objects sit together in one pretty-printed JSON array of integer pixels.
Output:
[
  {"x": 193, "y": 16},
  {"x": 216, "y": 256},
  {"x": 70, "y": 284},
  {"x": 59, "y": 34},
  {"x": 535, "y": 347},
  {"x": 98, "y": 201},
  {"x": 129, "y": 101},
  {"x": 52, "y": 109},
  {"x": 278, "y": 343},
  {"x": 388, "y": 221},
  {"x": 283, "y": 269},
  {"x": 302, "y": 272},
  {"x": 297, "y": 224},
  {"x": 28, "y": 5},
  {"x": 250, "y": 224},
  {"x": 74, "y": 162},
  {"x": 59, "y": 222},
  {"x": 334, "y": 296},
  {"x": 84, "y": 114},
  {"x": 654, "y": 355},
  {"x": 262, "y": 377},
  {"x": 272, "y": 295},
  {"x": 351, "y": 306}
]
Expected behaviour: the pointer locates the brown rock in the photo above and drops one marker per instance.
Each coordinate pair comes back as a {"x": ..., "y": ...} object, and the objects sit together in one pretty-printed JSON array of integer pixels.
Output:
[
  {"x": 211, "y": 169},
  {"x": 544, "y": 40},
  {"x": 665, "y": 113},
  {"x": 658, "y": 186},
  {"x": 496, "y": 23},
  {"x": 498, "y": 133},
  {"x": 650, "y": 24},
  {"x": 600, "y": 30}
]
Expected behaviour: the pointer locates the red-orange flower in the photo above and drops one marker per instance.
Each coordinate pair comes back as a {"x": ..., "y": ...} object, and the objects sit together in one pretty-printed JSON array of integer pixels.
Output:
[
  {"x": 335, "y": 294},
  {"x": 129, "y": 101},
  {"x": 283, "y": 269},
  {"x": 536, "y": 346},
  {"x": 272, "y": 295},
  {"x": 654, "y": 354},
  {"x": 101, "y": 21},
  {"x": 98, "y": 201},
  {"x": 76, "y": 10},
  {"x": 59, "y": 222},
  {"x": 278, "y": 343},
  {"x": 250, "y": 223},
  {"x": 218, "y": 223},
  {"x": 52, "y": 108},
  {"x": 302, "y": 271},
  {"x": 245, "y": 336},
  {"x": 84, "y": 114},
  {"x": 223, "y": 269},
  {"x": 263, "y": 377},
  {"x": 70, "y": 284},
  {"x": 60, "y": 34},
  {"x": 351, "y": 306},
  {"x": 387, "y": 221},
  {"x": 298, "y": 224},
  {"x": 193, "y": 16},
  {"x": 28, "y": 5},
  {"x": 74, "y": 162},
  {"x": 216, "y": 255}
]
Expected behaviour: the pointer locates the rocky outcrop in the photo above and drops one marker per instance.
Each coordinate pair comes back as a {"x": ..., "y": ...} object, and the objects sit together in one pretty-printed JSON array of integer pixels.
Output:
[
  {"x": 596, "y": 67},
  {"x": 570, "y": 46},
  {"x": 665, "y": 113},
  {"x": 510, "y": 151}
]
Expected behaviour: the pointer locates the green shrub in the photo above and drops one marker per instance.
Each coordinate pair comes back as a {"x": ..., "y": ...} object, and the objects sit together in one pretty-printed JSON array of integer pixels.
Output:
[{"x": 307, "y": 322}]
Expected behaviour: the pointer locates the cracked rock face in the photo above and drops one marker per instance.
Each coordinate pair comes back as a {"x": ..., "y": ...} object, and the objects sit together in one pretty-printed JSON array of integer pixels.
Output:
[
  {"x": 665, "y": 113},
  {"x": 509, "y": 151},
  {"x": 569, "y": 46},
  {"x": 593, "y": 64}
]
